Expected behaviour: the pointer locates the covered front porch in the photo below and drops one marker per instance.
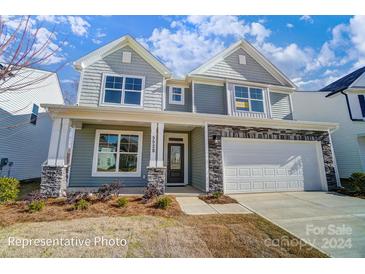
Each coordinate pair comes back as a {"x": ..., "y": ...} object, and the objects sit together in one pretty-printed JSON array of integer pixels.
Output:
[{"x": 171, "y": 155}]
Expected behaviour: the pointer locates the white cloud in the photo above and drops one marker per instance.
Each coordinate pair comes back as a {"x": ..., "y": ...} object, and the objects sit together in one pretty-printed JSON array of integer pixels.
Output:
[
  {"x": 182, "y": 50},
  {"x": 259, "y": 31},
  {"x": 289, "y": 25},
  {"x": 222, "y": 26},
  {"x": 79, "y": 26},
  {"x": 306, "y": 18},
  {"x": 97, "y": 39},
  {"x": 52, "y": 19},
  {"x": 357, "y": 24}
]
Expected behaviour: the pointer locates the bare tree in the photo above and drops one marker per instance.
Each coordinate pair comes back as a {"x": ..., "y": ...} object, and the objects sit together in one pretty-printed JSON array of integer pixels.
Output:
[{"x": 21, "y": 48}]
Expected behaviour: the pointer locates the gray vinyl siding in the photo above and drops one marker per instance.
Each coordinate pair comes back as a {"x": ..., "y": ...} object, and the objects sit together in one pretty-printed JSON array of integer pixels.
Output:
[
  {"x": 82, "y": 157},
  {"x": 198, "y": 158},
  {"x": 186, "y": 107},
  {"x": 210, "y": 99},
  {"x": 280, "y": 106},
  {"x": 92, "y": 76},
  {"x": 26, "y": 145},
  {"x": 252, "y": 71}
]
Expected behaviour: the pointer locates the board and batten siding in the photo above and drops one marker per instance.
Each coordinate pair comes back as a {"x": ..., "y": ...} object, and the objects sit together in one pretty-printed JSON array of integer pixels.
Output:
[
  {"x": 186, "y": 107},
  {"x": 314, "y": 106},
  {"x": 252, "y": 71},
  {"x": 210, "y": 99},
  {"x": 198, "y": 158},
  {"x": 92, "y": 78},
  {"x": 280, "y": 106},
  {"x": 83, "y": 152}
]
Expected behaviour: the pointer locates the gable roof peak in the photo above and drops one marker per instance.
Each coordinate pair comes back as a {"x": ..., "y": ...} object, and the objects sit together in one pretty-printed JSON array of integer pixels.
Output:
[
  {"x": 125, "y": 40},
  {"x": 254, "y": 53}
]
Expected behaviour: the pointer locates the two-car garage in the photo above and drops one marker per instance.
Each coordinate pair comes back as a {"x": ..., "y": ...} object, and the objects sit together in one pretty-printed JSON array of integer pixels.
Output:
[{"x": 257, "y": 165}]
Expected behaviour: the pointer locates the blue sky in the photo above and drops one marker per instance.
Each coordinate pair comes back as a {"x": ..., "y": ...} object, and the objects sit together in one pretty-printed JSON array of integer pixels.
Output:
[{"x": 311, "y": 50}]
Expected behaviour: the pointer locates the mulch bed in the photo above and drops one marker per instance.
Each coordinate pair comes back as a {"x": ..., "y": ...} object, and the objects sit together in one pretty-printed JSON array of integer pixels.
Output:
[
  {"x": 223, "y": 199},
  {"x": 59, "y": 209}
]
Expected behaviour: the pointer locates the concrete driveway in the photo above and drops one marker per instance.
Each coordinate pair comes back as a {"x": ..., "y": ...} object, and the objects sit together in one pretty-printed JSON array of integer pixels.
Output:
[{"x": 332, "y": 223}]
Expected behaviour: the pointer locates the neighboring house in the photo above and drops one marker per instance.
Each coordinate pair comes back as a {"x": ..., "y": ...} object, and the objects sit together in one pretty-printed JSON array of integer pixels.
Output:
[
  {"x": 25, "y": 127},
  {"x": 227, "y": 126},
  {"x": 341, "y": 102}
]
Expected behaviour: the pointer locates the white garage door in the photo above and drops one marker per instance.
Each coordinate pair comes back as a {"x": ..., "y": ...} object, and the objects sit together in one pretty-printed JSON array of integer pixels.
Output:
[{"x": 271, "y": 165}]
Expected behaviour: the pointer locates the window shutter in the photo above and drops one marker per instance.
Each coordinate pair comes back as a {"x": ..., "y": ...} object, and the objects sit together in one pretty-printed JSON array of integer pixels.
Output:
[{"x": 362, "y": 104}]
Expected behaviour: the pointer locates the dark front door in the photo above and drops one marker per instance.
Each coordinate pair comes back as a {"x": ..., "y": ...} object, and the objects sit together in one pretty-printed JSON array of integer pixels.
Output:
[{"x": 175, "y": 164}]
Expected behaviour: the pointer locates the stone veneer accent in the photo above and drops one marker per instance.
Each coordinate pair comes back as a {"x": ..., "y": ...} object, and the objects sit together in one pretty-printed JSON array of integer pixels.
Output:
[
  {"x": 216, "y": 132},
  {"x": 156, "y": 179},
  {"x": 54, "y": 181}
]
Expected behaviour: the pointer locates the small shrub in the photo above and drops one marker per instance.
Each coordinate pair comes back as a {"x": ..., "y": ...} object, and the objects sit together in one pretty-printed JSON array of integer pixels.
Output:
[
  {"x": 81, "y": 205},
  {"x": 122, "y": 202},
  {"x": 150, "y": 192},
  {"x": 357, "y": 181},
  {"x": 35, "y": 196},
  {"x": 217, "y": 194},
  {"x": 163, "y": 202},
  {"x": 36, "y": 205},
  {"x": 107, "y": 191},
  {"x": 74, "y": 197},
  {"x": 9, "y": 189}
]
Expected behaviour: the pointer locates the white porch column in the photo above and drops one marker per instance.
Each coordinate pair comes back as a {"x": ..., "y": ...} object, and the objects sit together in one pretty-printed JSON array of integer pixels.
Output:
[
  {"x": 153, "y": 145},
  {"x": 160, "y": 146},
  {"x": 57, "y": 152}
]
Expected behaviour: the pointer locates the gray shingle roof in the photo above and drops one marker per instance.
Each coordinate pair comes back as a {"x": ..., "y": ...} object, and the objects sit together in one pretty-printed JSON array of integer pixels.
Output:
[{"x": 344, "y": 82}]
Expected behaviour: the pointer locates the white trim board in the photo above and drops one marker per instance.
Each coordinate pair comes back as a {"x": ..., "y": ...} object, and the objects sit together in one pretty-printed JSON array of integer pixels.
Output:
[{"x": 185, "y": 141}]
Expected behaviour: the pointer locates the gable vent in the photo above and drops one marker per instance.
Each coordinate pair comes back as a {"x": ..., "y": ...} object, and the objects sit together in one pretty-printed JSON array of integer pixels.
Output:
[
  {"x": 127, "y": 57},
  {"x": 242, "y": 59}
]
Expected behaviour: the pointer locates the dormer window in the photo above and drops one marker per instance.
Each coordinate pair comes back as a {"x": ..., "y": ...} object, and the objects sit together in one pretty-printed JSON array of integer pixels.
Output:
[
  {"x": 176, "y": 95},
  {"x": 248, "y": 99},
  {"x": 123, "y": 90}
]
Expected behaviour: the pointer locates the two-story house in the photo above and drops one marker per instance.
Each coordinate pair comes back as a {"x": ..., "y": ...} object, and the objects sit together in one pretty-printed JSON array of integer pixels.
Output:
[
  {"x": 343, "y": 102},
  {"x": 227, "y": 126}
]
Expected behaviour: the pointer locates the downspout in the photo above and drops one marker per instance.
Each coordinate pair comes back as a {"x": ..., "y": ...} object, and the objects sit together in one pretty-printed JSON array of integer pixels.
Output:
[{"x": 349, "y": 108}]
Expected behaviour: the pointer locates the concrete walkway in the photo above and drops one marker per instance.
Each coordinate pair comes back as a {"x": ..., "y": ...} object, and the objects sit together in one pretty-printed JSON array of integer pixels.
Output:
[
  {"x": 332, "y": 223},
  {"x": 195, "y": 206}
]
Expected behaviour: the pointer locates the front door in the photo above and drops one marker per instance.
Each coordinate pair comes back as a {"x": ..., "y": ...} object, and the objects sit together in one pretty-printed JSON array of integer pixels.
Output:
[{"x": 175, "y": 164}]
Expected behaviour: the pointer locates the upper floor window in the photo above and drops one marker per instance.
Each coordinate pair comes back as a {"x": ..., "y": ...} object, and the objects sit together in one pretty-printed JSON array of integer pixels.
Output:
[
  {"x": 123, "y": 90},
  {"x": 34, "y": 114},
  {"x": 248, "y": 99},
  {"x": 176, "y": 95}
]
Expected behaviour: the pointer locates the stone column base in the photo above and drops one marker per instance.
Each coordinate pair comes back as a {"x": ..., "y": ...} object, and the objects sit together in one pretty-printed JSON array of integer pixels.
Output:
[
  {"x": 156, "y": 180},
  {"x": 54, "y": 181}
]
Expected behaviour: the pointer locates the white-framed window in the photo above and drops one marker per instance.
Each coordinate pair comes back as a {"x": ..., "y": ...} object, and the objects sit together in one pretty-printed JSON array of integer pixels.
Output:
[
  {"x": 176, "y": 95},
  {"x": 117, "y": 153},
  {"x": 122, "y": 90},
  {"x": 249, "y": 99}
]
